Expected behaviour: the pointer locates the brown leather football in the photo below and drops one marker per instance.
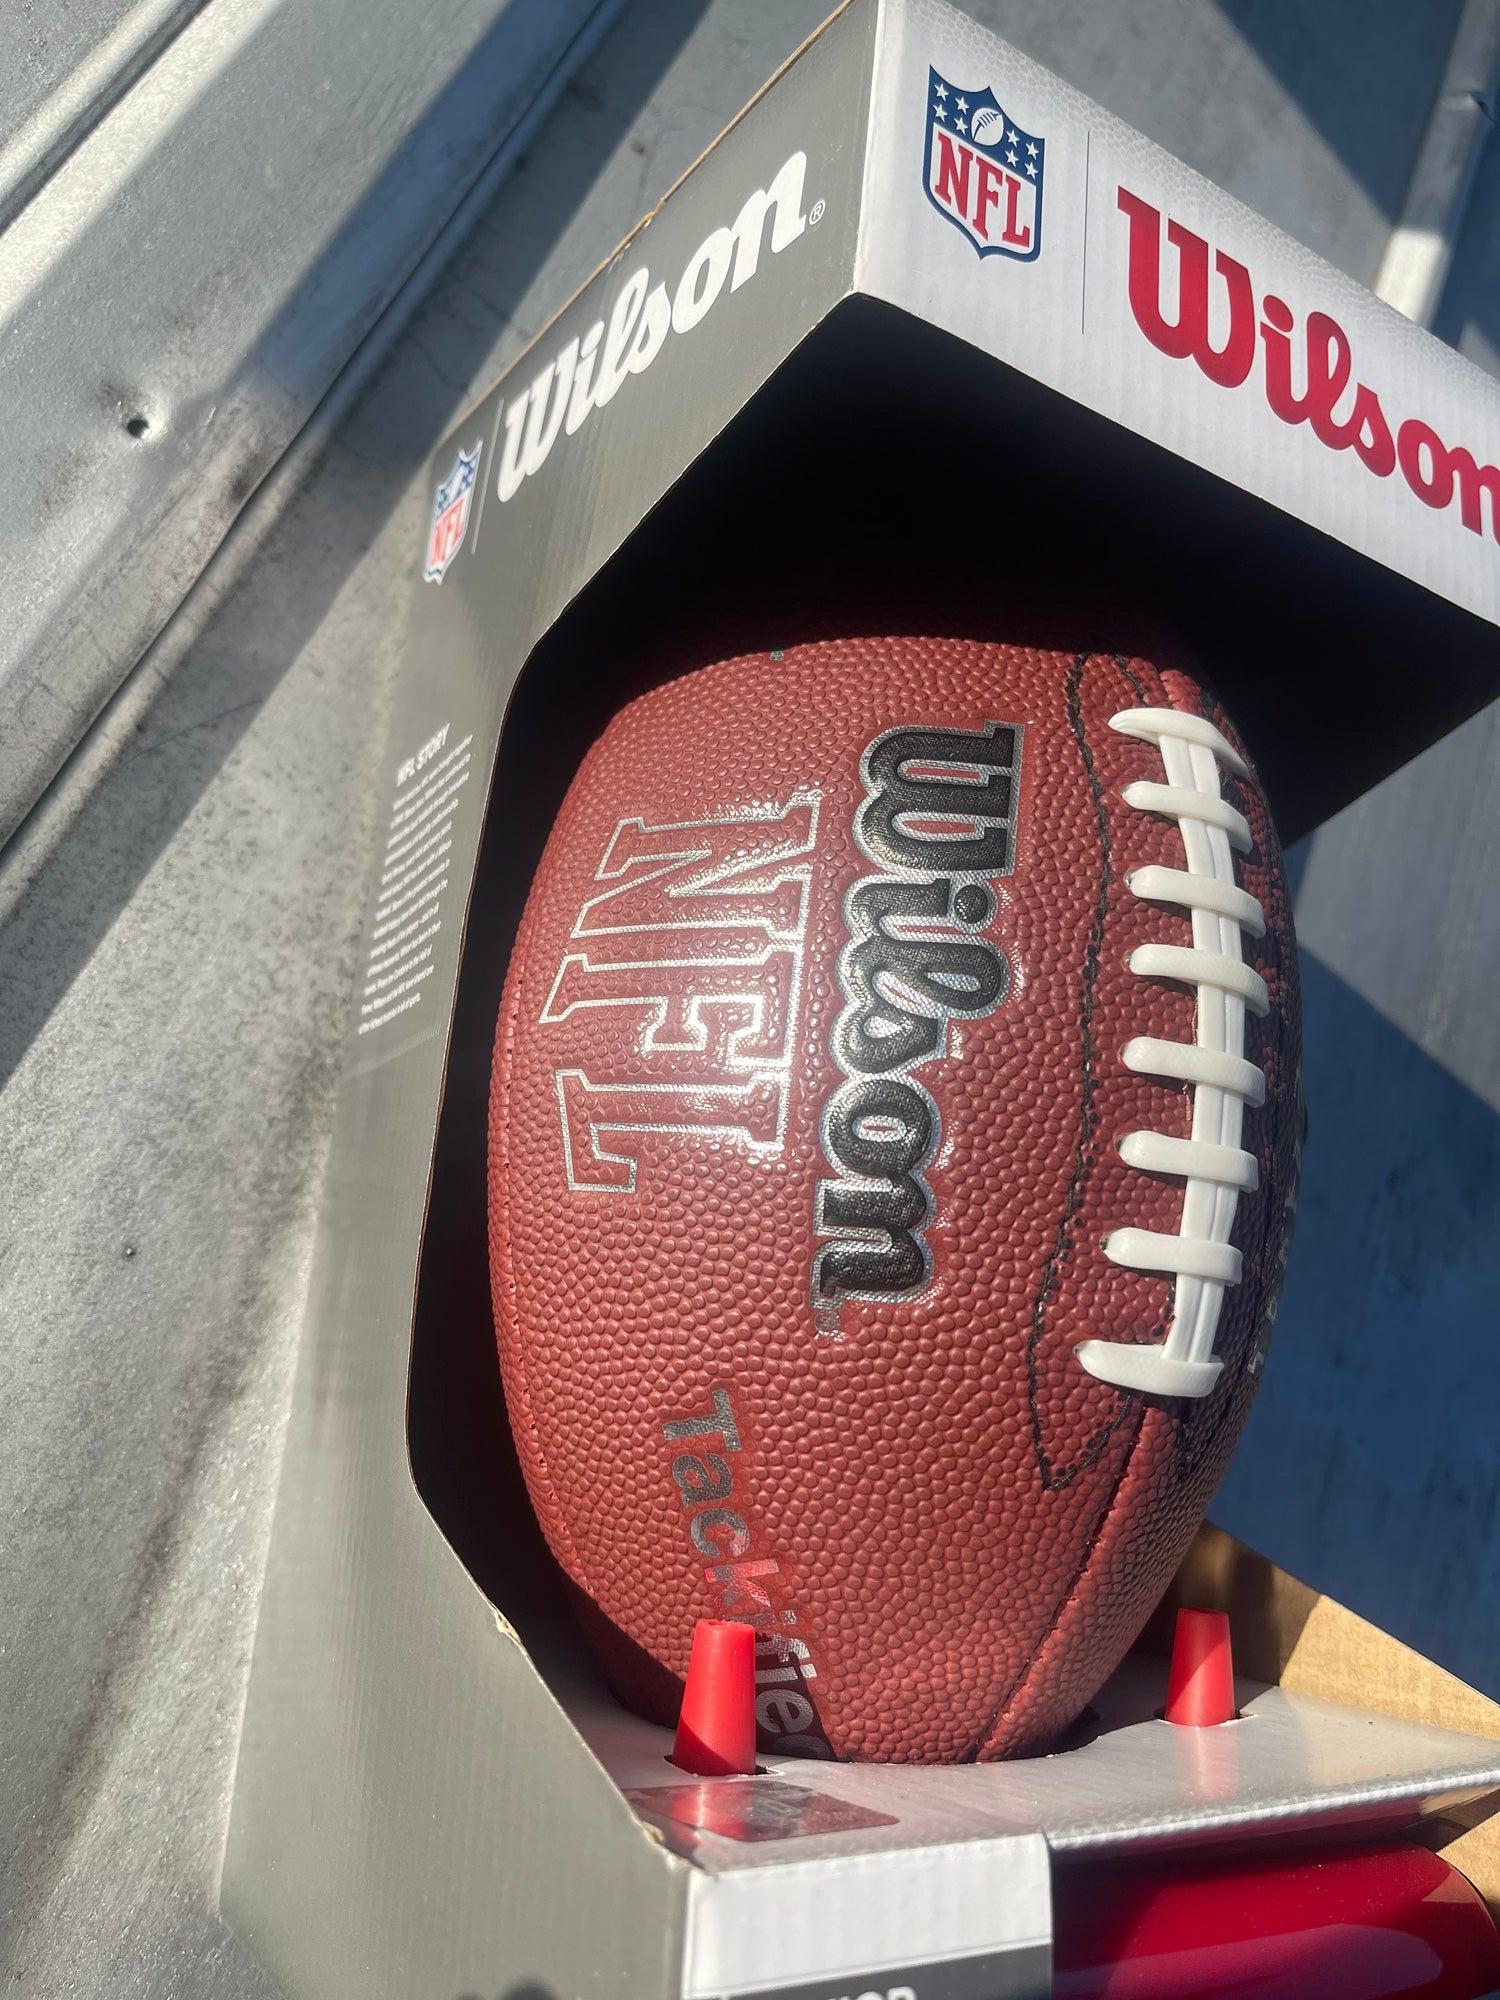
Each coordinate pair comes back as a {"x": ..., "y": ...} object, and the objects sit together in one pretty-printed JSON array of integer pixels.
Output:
[{"x": 893, "y": 1141}]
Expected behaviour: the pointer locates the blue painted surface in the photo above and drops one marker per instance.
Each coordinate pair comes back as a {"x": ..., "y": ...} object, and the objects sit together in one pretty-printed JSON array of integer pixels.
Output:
[
  {"x": 1362, "y": 72},
  {"x": 1370, "y": 1465}
]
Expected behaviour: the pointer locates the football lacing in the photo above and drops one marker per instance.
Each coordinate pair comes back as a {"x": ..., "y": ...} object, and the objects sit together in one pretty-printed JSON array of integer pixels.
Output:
[{"x": 1214, "y": 1165}]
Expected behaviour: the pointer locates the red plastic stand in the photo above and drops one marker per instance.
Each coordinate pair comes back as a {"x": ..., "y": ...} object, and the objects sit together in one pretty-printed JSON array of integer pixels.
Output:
[
  {"x": 1200, "y": 1689},
  {"x": 1389, "y": 1923},
  {"x": 716, "y": 1731}
]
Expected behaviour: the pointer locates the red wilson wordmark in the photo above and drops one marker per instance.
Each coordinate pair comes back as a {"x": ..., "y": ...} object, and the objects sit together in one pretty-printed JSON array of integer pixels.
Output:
[{"x": 1344, "y": 414}]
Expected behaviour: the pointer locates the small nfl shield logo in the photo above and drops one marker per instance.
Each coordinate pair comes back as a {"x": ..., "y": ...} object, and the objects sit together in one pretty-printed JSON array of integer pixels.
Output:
[
  {"x": 982, "y": 171},
  {"x": 450, "y": 514}
]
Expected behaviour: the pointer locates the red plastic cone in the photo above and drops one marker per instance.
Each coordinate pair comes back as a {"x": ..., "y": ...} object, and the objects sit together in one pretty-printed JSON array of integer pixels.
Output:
[
  {"x": 716, "y": 1732},
  {"x": 1200, "y": 1689}
]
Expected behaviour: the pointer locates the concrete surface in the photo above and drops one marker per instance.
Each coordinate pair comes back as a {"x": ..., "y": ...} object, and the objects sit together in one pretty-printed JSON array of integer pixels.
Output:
[
  {"x": 177, "y": 964},
  {"x": 192, "y": 250}
]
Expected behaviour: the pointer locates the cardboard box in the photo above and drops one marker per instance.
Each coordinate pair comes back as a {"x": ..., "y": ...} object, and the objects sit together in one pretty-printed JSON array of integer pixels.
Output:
[
  {"x": 1291, "y": 1637},
  {"x": 854, "y": 343}
]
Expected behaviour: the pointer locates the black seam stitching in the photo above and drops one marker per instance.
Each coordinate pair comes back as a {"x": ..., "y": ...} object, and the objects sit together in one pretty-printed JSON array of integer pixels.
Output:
[
  {"x": 1131, "y": 1405},
  {"x": 1055, "y": 1478},
  {"x": 1140, "y": 693}
]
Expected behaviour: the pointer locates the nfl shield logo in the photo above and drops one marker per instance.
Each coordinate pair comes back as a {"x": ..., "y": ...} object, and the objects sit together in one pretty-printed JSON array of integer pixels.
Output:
[
  {"x": 450, "y": 514},
  {"x": 982, "y": 171}
]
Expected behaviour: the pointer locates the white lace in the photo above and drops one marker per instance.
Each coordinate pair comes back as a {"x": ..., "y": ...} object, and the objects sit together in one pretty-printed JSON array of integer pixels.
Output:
[{"x": 1212, "y": 1162}]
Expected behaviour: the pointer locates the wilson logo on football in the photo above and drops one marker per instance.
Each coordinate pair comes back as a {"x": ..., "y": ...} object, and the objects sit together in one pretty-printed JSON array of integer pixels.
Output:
[
  {"x": 982, "y": 171},
  {"x": 694, "y": 944},
  {"x": 938, "y": 819}
]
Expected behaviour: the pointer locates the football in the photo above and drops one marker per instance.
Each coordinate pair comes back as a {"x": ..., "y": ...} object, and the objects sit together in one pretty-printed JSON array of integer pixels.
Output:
[
  {"x": 983, "y": 123},
  {"x": 894, "y": 1135}
]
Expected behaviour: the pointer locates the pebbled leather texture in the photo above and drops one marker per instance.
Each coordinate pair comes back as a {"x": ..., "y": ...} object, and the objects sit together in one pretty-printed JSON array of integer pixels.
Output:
[{"x": 945, "y": 1530}]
